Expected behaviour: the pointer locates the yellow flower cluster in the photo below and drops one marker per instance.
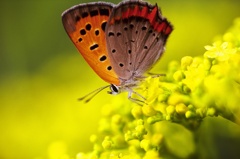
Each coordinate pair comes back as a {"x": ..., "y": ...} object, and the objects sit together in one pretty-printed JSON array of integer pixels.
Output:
[{"x": 195, "y": 92}]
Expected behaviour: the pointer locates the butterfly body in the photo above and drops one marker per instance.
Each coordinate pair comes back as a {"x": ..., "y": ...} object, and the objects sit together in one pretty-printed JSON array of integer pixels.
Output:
[{"x": 120, "y": 42}]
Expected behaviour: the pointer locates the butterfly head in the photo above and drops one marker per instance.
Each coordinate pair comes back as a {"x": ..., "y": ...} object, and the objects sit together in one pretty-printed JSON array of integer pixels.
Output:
[{"x": 114, "y": 89}]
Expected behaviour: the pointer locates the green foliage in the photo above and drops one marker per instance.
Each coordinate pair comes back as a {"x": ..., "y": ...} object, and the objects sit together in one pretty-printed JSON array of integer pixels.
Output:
[{"x": 192, "y": 112}]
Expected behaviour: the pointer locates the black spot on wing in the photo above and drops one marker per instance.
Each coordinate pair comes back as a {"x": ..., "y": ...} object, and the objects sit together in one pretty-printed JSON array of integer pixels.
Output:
[
  {"x": 84, "y": 14},
  {"x": 110, "y": 34},
  {"x": 103, "y": 26},
  {"x": 119, "y": 34},
  {"x": 121, "y": 65},
  {"x": 113, "y": 50},
  {"x": 104, "y": 12},
  {"x": 88, "y": 27},
  {"x": 77, "y": 18},
  {"x": 93, "y": 13},
  {"x": 82, "y": 31},
  {"x": 144, "y": 28},
  {"x": 96, "y": 32},
  {"x": 131, "y": 26},
  {"x": 103, "y": 58},
  {"x": 94, "y": 46},
  {"x": 109, "y": 68}
]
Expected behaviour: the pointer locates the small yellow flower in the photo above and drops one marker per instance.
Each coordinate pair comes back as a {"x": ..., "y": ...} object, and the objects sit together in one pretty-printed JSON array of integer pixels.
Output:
[
  {"x": 145, "y": 144},
  {"x": 107, "y": 143},
  {"x": 220, "y": 51}
]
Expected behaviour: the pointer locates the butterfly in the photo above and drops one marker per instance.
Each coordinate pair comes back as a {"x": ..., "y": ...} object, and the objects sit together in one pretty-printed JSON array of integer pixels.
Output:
[{"x": 119, "y": 42}]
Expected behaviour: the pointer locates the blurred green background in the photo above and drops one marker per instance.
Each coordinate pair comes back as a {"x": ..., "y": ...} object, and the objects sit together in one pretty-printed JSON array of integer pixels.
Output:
[{"x": 42, "y": 73}]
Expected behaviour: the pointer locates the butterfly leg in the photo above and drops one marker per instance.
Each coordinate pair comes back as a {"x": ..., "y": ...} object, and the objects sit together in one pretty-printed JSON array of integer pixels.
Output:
[
  {"x": 154, "y": 75},
  {"x": 138, "y": 101}
]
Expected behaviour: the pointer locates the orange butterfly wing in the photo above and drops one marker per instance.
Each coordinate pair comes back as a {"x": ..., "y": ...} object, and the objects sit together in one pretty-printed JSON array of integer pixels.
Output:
[{"x": 85, "y": 24}]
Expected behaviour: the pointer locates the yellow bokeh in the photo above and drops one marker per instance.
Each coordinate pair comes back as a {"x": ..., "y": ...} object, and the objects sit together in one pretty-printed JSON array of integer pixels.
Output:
[{"x": 42, "y": 75}]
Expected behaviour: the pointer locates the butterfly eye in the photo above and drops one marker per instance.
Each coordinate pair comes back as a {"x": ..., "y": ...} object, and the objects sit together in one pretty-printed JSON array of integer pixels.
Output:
[{"x": 114, "y": 89}]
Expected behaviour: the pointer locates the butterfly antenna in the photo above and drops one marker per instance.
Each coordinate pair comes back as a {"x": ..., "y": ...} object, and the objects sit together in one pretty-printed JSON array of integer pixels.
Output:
[{"x": 92, "y": 94}]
